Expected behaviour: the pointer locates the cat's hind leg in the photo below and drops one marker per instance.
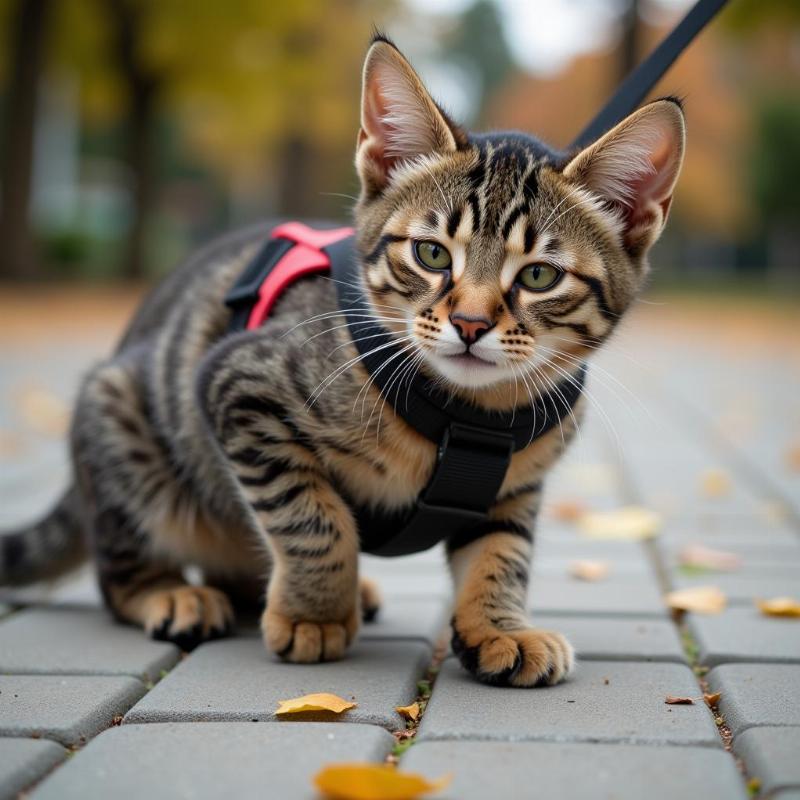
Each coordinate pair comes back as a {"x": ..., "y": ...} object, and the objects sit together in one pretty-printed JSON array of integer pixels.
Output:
[{"x": 124, "y": 478}]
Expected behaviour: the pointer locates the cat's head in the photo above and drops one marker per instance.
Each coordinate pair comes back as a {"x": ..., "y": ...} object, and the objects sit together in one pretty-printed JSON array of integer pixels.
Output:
[{"x": 492, "y": 257}]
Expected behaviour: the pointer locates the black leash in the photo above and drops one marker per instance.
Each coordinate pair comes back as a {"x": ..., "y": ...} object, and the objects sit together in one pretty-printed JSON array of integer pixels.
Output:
[{"x": 637, "y": 85}]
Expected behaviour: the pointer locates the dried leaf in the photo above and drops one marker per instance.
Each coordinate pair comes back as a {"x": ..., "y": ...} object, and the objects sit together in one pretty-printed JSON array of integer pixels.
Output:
[
  {"x": 314, "y": 702},
  {"x": 700, "y": 599},
  {"x": 43, "y": 411},
  {"x": 568, "y": 510},
  {"x": 630, "y": 522},
  {"x": 793, "y": 458},
  {"x": 374, "y": 782},
  {"x": 702, "y": 557},
  {"x": 673, "y": 700},
  {"x": 715, "y": 483},
  {"x": 712, "y": 699},
  {"x": 409, "y": 712},
  {"x": 589, "y": 570},
  {"x": 779, "y": 607}
]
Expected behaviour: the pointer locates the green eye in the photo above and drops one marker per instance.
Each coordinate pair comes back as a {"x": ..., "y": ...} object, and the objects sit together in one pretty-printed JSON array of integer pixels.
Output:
[
  {"x": 539, "y": 276},
  {"x": 432, "y": 255}
]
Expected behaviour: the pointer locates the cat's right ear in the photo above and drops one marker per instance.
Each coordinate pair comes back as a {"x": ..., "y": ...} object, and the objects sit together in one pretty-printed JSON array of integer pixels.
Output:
[{"x": 399, "y": 118}]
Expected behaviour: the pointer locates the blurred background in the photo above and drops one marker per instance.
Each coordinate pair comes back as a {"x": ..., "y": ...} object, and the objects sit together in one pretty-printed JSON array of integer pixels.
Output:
[{"x": 131, "y": 130}]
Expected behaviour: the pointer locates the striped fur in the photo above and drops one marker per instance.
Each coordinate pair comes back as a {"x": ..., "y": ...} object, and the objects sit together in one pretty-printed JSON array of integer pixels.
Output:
[{"x": 249, "y": 454}]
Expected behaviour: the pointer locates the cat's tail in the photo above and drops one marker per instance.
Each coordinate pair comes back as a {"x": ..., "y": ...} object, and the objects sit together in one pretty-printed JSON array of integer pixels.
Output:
[{"x": 47, "y": 549}]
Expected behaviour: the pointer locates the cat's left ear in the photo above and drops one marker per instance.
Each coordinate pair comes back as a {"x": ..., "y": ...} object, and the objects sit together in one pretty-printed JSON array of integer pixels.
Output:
[
  {"x": 634, "y": 167},
  {"x": 399, "y": 118}
]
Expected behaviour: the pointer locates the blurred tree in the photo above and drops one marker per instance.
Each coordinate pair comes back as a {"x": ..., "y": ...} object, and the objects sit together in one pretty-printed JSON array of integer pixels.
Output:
[
  {"x": 25, "y": 36},
  {"x": 774, "y": 172},
  {"x": 479, "y": 43}
]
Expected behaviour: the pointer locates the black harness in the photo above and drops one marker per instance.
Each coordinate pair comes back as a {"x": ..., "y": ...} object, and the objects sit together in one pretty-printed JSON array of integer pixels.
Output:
[{"x": 474, "y": 446}]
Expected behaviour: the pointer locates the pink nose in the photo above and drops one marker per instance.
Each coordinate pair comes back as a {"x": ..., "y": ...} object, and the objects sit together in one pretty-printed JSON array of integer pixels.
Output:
[{"x": 470, "y": 329}]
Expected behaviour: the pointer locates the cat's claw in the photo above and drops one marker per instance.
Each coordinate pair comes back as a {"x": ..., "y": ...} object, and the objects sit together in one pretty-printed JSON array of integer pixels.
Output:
[
  {"x": 524, "y": 657},
  {"x": 305, "y": 642}
]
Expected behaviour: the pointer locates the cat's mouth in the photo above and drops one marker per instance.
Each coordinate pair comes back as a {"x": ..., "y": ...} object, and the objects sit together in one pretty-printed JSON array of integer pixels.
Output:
[{"x": 469, "y": 360}]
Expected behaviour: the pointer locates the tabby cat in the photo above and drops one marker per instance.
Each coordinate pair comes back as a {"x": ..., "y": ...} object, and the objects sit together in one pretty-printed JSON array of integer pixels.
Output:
[{"x": 500, "y": 263}]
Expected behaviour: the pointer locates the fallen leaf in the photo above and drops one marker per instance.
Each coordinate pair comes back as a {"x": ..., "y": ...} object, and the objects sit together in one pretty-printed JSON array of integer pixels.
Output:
[
  {"x": 672, "y": 700},
  {"x": 702, "y": 557},
  {"x": 409, "y": 712},
  {"x": 715, "y": 483},
  {"x": 793, "y": 458},
  {"x": 629, "y": 522},
  {"x": 568, "y": 510},
  {"x": 589, "y": 570},
  {"x": 712, "y": 699},
  {"x": 314, "y": 702},
  {"x": 43, "y": 411},
  {"x": 700, "y": 599},
  {"x": 374, "y": 782},
  {"x": 779, "y": 607}
]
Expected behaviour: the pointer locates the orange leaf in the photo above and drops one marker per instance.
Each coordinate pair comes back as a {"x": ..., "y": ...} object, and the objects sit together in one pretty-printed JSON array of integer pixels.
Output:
[
  {"x": 779, "y": 607},
  {"x": 314, "y": 702},
  {"x": 589, "y": 570},
  {"x": 409, "y": 712},
  {"x": 374, "y": 782},
  {"x": 672, "y": 700},
  {"x": 568, "y": 510},
  {"x": 793, "y": 458},
  {"x": 712, "y": 699},
  {"x": 700, "y": 599}
]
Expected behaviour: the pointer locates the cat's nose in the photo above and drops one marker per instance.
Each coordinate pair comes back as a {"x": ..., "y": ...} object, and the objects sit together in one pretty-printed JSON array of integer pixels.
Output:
[{"x": 470, "y": 329}]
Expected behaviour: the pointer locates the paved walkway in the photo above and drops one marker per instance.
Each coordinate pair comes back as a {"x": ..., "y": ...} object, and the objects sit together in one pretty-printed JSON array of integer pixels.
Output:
[{"x": 702, "y": 434}]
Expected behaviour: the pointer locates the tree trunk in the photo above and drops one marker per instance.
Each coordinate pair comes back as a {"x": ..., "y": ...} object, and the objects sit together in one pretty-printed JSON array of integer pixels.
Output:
[
  {"x": 142, "y": 87},
  {"x": 17, "y": 257}
]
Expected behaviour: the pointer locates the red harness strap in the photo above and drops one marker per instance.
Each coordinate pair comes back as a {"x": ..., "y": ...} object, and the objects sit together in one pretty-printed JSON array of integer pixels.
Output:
[{"x": 305, "y": 257}]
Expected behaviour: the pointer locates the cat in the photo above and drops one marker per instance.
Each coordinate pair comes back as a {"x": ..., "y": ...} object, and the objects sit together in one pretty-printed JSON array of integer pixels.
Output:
[{"x": 503, "y": 263}]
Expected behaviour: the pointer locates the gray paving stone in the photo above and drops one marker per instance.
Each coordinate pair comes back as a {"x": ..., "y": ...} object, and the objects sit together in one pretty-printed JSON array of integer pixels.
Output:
[
  {"x": 741, "y": 589},
  {"x": 522, "y": 770},
  {"x": 744, "y": 634},
  {"x": 211, "y": 760},
  {"x": 78, "y": 589},
  {"x": 409, "y": 618},
  {"x": 631, "y": 597},
  {"x": 559, "y": 567},
  {"x": 756, "y": 695},
  {"x": 786, "y": 794},
  {"x": 760, "y": 554},
  {"x": 770, "y": 754},
  {"x": 67, "y": 641},
  {"x": 628, "y": 708},
  {"x": 570, "y": 545},
  {"x": 617, "y": 638},
  {"x": 427, "y": 584},
  {"x": 24, "y": 761},
  {"x": 237, "y": 680},
  {"x": 69, "y": 709}
]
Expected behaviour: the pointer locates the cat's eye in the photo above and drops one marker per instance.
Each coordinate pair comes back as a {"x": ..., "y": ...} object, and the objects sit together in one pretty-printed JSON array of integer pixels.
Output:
[
  {"x": 539, "y": 277},
  {"x": 432, "y": 255}
]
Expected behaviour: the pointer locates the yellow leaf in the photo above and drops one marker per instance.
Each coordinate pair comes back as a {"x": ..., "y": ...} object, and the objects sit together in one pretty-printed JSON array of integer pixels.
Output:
[
  {"x": 700, "y": 599},
  {"x": 314, "y": 702},
  {"x": 374, "y": 782},
  {"x": 779, "y": 607},
  {"x": 715, "y": 483},
  {"x": 698, "y": 555},
  {"x": 630, "y": 522},
  {"x": 589, "y": 570},
  {"x": 409, "y": 712}
]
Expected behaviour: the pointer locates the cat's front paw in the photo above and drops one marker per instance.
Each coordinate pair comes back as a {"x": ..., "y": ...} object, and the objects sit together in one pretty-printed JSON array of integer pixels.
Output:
[
  {"x": 305, "y": 642},
  {"x": 522, "y": 657}
]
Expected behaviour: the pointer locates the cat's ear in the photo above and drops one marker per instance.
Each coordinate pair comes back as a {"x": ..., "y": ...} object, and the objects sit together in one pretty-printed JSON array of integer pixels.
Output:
[
  {"x": 399, "y": 119},
  {"x": 634, "y": 168}
]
